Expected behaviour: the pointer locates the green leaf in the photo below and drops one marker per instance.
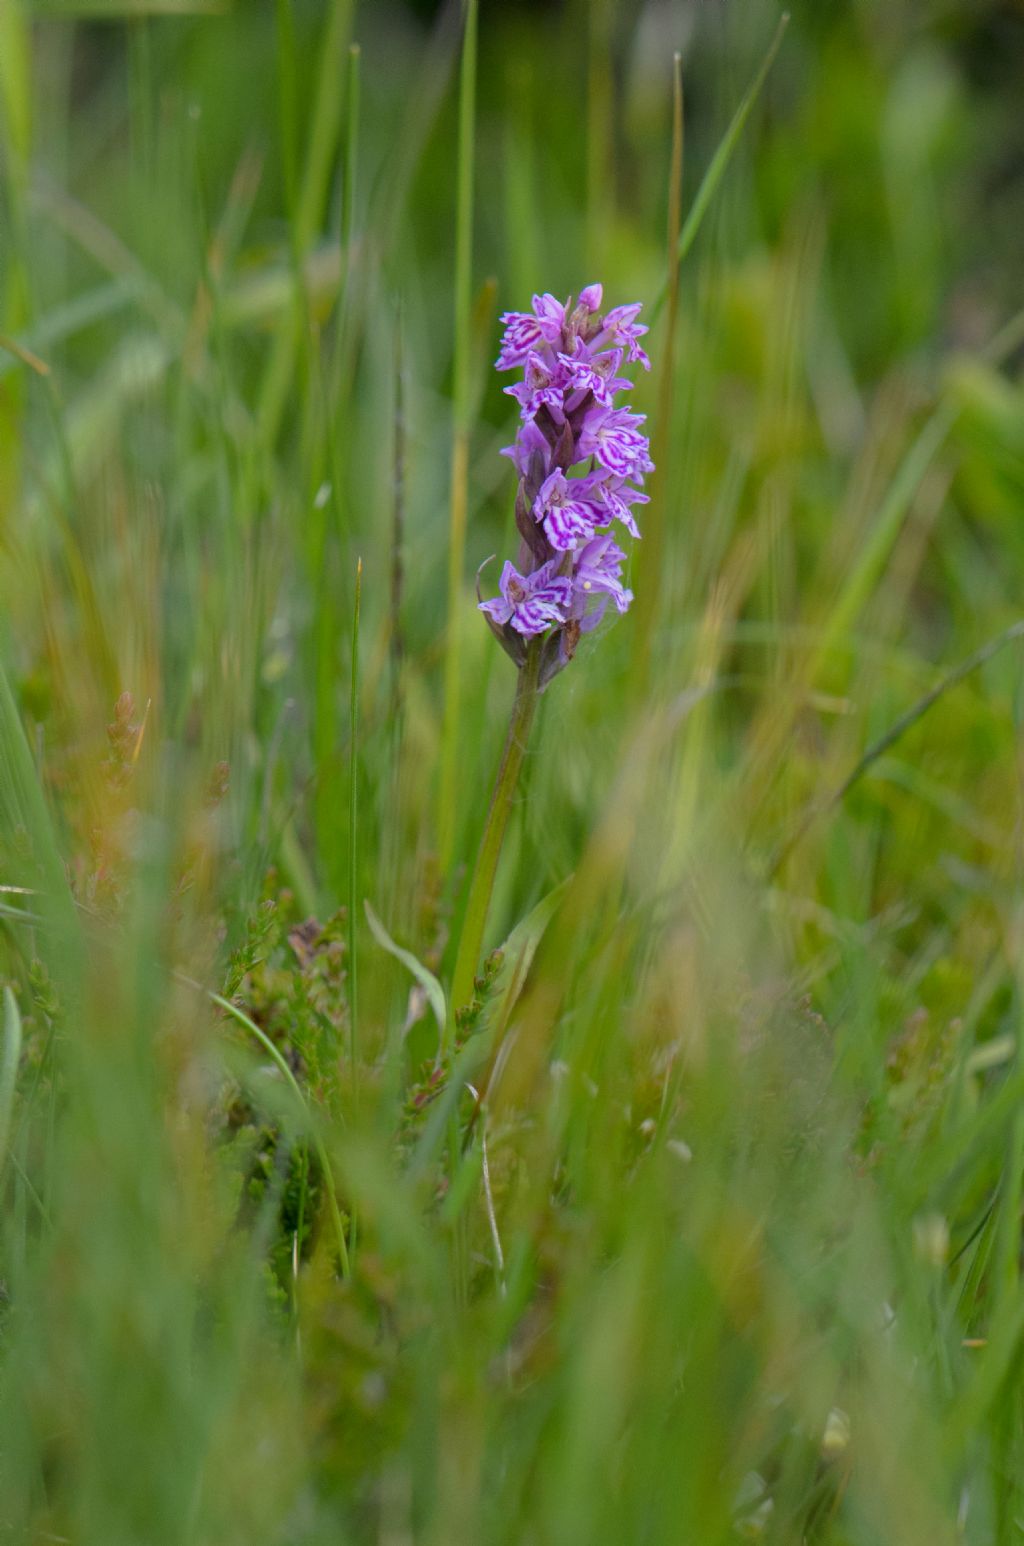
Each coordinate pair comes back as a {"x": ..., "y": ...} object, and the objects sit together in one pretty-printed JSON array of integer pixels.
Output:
[
  {"x": 427, "y": 981},
  {"x": 518, "y": 952},
  {"x": 10, "y": 1056}
]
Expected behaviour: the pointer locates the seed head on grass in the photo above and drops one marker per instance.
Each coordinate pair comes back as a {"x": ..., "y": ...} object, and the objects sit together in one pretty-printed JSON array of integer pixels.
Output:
[{"x": 581, "y": 460}]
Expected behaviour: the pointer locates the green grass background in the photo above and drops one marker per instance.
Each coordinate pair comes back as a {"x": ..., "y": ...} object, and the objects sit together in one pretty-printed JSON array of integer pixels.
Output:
[{"x": 734, "y": 1247}]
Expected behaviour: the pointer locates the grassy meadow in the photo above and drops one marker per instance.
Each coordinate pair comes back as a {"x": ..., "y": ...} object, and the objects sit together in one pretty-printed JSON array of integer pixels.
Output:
[{"x": 701, "y": 1221}]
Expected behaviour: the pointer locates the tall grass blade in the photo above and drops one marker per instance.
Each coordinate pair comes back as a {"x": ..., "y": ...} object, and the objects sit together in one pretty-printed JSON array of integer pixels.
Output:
[
  {"x": 309, "y": 217},
  {"x": 63, "y": 322},
  {"x": 15, "y": 83},
  {"x": 871, "y": 561},
  {"x": 348, "y": 192},
  {"x": 720, "y": 161},
  {"x": 600, "y": 131},
  {"x": 398, "y": 496},
  {"x": 649, "y": 558},
  {"x": 353, "y": 836},
  {"x": 288, "y": 101},
  {"x": 10, "y": 1057},
  {"x": 898, "y": 729},
  {"x": 25, "y": 355},
  {"x": 461, "y": 386}
]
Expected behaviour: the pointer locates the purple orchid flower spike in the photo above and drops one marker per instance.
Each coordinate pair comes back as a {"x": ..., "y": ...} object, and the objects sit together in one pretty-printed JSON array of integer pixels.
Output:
[{"x": 581, "y": 460}]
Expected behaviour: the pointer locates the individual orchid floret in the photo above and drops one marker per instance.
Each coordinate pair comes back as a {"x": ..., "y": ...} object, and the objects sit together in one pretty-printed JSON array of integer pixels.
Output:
[
  {"x": 622, "y": 330},
  {"x": 569, "y": 509},
  {"x": 527, "y": 332},
  {"x": 584, "y": 372},
  {"x": 539, "y": 387},
  {"x": 614, "y": 437},
  {"x": 619, "y": 498},
  {"x": 581, "y": 461},
  {"x": 530, "y": 602},
  {"x": 522, "y": 336},
  {"x": 598, "y": 576}
]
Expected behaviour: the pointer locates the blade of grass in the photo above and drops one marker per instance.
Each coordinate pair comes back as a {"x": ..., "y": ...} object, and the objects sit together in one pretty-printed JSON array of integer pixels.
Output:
[
  {"x": 16, "y": 82},
  {"x": 353, "y": 843},
  {"x": 326, "y": 123},
  {"x": 348, "y": 191},
  {"x": 116, "y": 10},
  {"x": 141, "y": 91},
  {"x": 19, "y": 915},
  {"x": 344, "y": 342},
  {"x": 16, "y": 121},
  {"x": 308, "y": 219},
  {"x": 521, "y": 234},
  {"x": 64, "y": 321},
  {"x": 873, "y": 556},
  {"x": 287, "y": 77},
  {"x": 10, "y": 1057},
  {"x": 398, "y": 452},
  {"x": 392, "y": 852},
  {"x": 25, "y": 355},
  {"x": 600, "y": 122},
  {"x": 649, "y": 558},
  {"x": 720, "y": 161},
  {"x": 892, "y": 735},
  {"x": 460, "y": 436}
]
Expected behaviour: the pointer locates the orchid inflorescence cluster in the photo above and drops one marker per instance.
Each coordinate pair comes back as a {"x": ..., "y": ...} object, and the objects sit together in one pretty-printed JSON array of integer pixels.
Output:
[{"x": 581, "y": 462}]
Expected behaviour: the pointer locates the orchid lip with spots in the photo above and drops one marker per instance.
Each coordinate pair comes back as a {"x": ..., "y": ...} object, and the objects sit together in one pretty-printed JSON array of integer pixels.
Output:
[{"x": 582, "y": 459}]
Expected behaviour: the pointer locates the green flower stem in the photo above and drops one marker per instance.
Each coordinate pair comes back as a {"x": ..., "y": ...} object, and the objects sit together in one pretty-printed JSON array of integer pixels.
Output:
[
  {"x": 482, "y": 884},
  {"x": 474, "y": 920}
]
